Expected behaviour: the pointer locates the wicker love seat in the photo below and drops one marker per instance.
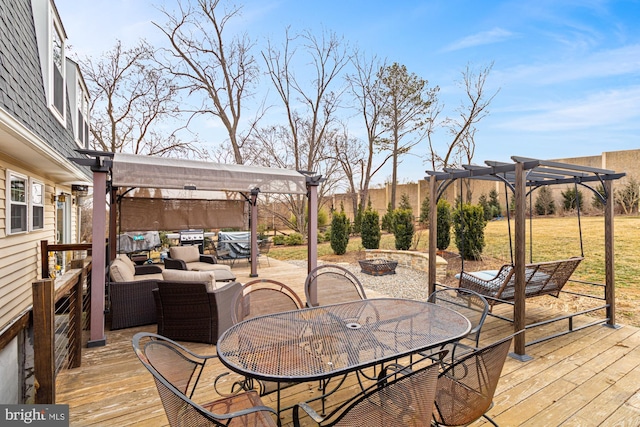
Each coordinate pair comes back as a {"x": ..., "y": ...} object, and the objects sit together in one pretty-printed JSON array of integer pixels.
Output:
[{"x": 543, "y": 278}]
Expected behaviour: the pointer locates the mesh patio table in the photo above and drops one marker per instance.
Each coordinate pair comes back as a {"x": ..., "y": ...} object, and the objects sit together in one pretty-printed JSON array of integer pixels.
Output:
[{"x": 327, "y": 341}]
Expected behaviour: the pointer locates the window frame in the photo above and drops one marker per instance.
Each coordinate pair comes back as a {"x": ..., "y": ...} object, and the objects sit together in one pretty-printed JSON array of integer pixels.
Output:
[
  {"x": 32, "y": 205},
  {"x": 57, "y": 28},
  {"x": 10, "y": 203},
  {"x": 81, "y": 130}
]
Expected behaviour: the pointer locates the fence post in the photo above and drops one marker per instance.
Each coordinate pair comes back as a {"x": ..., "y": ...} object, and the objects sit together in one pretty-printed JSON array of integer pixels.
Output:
[{"x": 43, "y": 341}]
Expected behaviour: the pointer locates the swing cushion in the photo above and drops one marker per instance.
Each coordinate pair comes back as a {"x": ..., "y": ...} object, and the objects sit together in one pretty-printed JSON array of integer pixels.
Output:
[{"x": 543, "y": 278}]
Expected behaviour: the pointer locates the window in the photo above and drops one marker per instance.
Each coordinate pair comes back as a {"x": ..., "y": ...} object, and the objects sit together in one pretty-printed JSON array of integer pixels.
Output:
[
  {"x": 17, "y": 200},
  {"x": 37, "y": 205},
  {"x": 82, "y": 128},
  {"x": 58, "y": 71}
]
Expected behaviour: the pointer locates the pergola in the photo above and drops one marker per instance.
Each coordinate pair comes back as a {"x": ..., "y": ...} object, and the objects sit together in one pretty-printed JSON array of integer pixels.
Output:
[
  {"x": 523, "y": 176},
  {"x": 190, "y": 179}
]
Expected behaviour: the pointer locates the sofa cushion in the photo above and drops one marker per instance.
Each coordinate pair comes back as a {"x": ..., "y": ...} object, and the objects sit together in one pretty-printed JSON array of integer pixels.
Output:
[
  {"x": 205, "y": 266},
  {"x": 127, "y": 261},
  {"x": 185, "y": 253},
  {"x": 120, "y": 272},
  {"x": 152, "y": 276},
  {"x": 209, "y": 277}
]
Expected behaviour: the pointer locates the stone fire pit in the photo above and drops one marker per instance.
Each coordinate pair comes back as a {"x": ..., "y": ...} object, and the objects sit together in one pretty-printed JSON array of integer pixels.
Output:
[{"x": 378, "y": 267}]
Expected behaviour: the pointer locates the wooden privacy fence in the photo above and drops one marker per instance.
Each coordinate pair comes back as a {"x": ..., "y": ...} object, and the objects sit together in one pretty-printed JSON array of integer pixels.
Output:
[{"x": 60, "y": 314}]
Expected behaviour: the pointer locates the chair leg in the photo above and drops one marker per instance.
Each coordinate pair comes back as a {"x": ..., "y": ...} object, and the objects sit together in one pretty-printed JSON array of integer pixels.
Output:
[{"x": 488, "y": 418}]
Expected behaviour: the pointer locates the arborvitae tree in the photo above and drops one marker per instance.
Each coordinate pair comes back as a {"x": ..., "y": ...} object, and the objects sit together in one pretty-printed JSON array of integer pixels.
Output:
[
  {"x": 545, "y": 205},
  {"x": 496, "y": 209},
  {"x": 339, "y": 232},
  {"x": 443, "y": 225},
  {"x": 595, "y": 201},
  {"x": 403, "y": 228},
  {"x": 572, "y": 198},
  {"x": 404, "y": 202},
  {"x": 486, "y": 207},
  {"x": 387, "y": 219},
  {"x": 370, "y": 228},
  {"x": 357, "y": 221},
  {"x": 469, "y": 223},
  {"x": 425, "y": 211}
]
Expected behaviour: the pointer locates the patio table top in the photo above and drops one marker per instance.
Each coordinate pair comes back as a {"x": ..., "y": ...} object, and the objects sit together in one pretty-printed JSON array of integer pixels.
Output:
[{"x": 322, "y": 342}]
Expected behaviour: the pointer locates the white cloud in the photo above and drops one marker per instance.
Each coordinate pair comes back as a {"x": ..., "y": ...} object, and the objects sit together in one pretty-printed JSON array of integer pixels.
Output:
[
  {"x": 613, "y": 108},
  {"x": 495, "y": 35},
  {"x": 607, "y": 63}
]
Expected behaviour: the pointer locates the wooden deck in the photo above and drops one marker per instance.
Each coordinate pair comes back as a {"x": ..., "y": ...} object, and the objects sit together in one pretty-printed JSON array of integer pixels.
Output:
[{"x": 586, "y": 378}]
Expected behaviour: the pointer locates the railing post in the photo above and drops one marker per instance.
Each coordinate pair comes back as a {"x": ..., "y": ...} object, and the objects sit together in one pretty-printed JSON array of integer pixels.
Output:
[
  {"x": 75, "y": 317},
  {"x": 44, "y": 259},
  {"x": 43, "y": 341}
]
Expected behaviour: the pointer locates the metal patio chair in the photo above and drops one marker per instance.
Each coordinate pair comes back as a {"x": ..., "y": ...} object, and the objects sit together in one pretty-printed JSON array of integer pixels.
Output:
[
  {"x": 333, "y": 284},
  {"x": 176, "y": 371},
  {"x": 471, "y": 305},
  {"x": 257, "y": 298},
  {"x": 394, "y": 400},
  {"x": 466, "y": 388}
]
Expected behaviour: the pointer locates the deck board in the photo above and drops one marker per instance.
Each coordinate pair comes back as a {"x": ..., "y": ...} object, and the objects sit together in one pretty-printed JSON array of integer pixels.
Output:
[{"x": 587, "y": 378}]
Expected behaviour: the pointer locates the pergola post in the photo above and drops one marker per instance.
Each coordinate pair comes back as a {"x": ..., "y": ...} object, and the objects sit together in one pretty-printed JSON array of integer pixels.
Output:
[
  {"x": 312, "y": 235},
  {"x": 519, "y": 307},
  {"x": 254, "y": 232},
  {"x": 97, "y": 336},
  {"x": 610, "y": 282},
  {"x": 433, "y": 233}
]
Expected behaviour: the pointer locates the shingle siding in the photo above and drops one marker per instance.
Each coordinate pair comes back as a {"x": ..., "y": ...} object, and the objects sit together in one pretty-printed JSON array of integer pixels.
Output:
[{"x": 22, "y": 91}]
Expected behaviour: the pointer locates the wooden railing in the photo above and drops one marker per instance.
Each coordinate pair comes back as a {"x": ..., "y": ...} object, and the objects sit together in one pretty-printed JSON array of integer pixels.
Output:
[{"x": 60, "y": 314}]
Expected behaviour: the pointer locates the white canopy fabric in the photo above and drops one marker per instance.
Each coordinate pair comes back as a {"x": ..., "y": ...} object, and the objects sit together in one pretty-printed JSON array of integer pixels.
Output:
[{"x": 131, "y": 170}]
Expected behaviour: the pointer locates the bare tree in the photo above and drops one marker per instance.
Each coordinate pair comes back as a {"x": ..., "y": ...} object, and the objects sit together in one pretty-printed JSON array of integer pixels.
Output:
[
  {"x": 207, "y": 62},
  {"x": 130, "y": 99},
  {"x": 405, "y": 114},
  {"x": 463, "y": 127},
  {"x": 310, "y": 106},
  {"x": 359, "y": 161}
]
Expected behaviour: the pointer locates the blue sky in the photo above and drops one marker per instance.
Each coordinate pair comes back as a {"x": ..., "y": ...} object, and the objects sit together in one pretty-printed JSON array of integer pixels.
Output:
[{"x": 568, "y": 72}]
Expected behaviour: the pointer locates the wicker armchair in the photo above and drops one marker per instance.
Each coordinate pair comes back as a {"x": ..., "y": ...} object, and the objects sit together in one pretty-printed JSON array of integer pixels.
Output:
[
  {"x": 176, "y": 372},
  {"x": 187, "y": 311},
  {"x": 466, "y": 388},
  {"x": 189, "y": 258},
  {"x": 333, "y": 284},
  {"x": 394, "y": 400},
  {"x": 130, "y": 301}
]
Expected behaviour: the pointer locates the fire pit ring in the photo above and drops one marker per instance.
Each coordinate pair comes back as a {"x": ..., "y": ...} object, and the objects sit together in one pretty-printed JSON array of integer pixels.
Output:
[{"x": 378, "y": 267}]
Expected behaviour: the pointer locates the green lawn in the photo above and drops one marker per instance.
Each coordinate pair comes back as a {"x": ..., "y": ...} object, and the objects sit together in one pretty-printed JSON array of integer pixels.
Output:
[{"x": 553, "y": 238}]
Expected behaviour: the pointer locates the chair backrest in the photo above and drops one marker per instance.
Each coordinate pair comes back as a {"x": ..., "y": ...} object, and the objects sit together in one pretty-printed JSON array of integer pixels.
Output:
[
  {"x": 264, "y": 246},
  {"x": 405, "y": 401},
  {"x": 333, "y": 284},
  {"x": 470, "y": 304},
  {"x": 263, "y": 296},
  {"x": 176, "y": 372},
  {"x": 187, "y": 311},
  {"x": 466, "y": 388},
  {"x": 187, "y": 253}
]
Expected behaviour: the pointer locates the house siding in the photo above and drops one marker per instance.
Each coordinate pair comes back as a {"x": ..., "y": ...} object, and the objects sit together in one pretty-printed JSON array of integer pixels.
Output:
[{"x": 34, "y": 143}]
